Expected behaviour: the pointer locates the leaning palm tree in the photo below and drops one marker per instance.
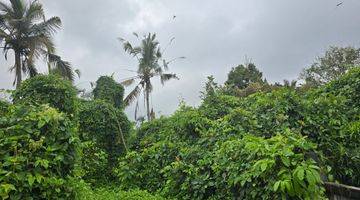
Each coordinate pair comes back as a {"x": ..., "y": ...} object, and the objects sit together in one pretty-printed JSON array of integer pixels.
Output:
[
  {"x": 25, "y": 31},
  {"x": 151, "y": 64}
]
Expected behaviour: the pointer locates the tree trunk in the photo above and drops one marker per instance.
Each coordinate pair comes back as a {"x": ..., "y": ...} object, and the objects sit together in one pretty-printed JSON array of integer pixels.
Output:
[
  {"x": 147, "y": 105},
  {"x": 18, "y": 71}
]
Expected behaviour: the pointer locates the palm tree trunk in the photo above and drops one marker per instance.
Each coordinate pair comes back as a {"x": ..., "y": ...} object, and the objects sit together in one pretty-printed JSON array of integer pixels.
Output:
[
  {"x": 147, "y": 105},
  {"x": 18, "y": 68}
]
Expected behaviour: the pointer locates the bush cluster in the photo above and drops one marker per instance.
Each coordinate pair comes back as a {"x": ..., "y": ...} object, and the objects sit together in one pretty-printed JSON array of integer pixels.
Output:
[
  {"x": 47, "y": 89},
  {"x": 38, "y": 148},
  {"x": 279, "y": 144}
]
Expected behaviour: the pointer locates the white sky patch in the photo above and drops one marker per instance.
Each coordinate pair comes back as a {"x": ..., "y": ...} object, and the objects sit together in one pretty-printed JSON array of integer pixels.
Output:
[{"x": 149, "y": 14}]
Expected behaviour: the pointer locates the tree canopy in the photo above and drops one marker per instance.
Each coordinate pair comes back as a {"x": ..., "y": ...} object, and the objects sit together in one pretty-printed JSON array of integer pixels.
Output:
[
  {"x": 243, "y": 75},
  {"x": 336, "y": 62}
]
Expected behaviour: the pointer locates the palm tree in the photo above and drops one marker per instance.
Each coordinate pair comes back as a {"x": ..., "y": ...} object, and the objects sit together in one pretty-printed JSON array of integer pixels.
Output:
[
  {"x": 151, "y": 64},
  {"x": 25, "y": 31}
]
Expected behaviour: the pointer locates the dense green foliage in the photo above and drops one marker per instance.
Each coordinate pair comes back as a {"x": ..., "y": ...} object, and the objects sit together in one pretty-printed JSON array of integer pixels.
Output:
[
  {"x": 83, "y": 191},
  {"x": 110, "y": 91},
  {"x": 106, "y": 127},
  {"x": 47, "y": 89},
  {"x": 243, "y": 75},
  {"x": 249, "y": 139},
  {"x": 38, "y": 148},
  {"x": 3, "y": 107},
  {"x": 280, "y": 144}
]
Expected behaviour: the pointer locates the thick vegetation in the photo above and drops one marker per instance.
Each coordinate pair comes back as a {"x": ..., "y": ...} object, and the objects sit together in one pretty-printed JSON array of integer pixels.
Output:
[
  {"x": 264, "y": 146},
  {"x": 103, "y": 128},
  {"x": 50, "y": 90},
  {"x": 38, "y": 148},
  {"x": 249, "y": 139}
]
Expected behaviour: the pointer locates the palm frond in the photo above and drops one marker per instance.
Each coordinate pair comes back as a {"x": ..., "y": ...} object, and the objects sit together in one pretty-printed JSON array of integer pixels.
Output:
[
  {"x": 30, "y": 68},
  {"x": 47, "y": 27},
  {"x": 34, "y": 12},
  {"x": 63, "y": 68},
  {"x": 128, "y": 82},
  {"x": 167, "y": 77},
  {"x": 5, "y": 8},
  {"x": 133, "y": 95},
  {"x": 136, "y": 35},
  {"x": 78, "y": 72},
  {"x": 18, "y": 7}
]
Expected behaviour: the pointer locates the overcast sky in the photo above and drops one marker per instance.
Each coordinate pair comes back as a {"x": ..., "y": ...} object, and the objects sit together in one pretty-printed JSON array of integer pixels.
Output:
[{"x": 280, "y": 36}]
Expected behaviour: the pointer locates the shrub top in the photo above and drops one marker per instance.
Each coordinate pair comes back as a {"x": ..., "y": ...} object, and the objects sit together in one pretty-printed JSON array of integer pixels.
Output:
[
  {"x": 109, "y": 90},
  {"x": 47, "y": 89}
]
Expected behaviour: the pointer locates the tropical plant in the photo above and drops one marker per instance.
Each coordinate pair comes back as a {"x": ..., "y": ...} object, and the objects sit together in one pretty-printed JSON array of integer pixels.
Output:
[
  {"x": 151, "y": 64},
  {"x": 39, "y": 149},
  {"x": 24, "y": 30}
]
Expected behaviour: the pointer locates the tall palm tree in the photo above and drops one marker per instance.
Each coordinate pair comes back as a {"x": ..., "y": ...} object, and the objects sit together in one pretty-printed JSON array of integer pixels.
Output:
[
  {"x": 25, "y": 31},
  {"x": 151, "y": 64}
]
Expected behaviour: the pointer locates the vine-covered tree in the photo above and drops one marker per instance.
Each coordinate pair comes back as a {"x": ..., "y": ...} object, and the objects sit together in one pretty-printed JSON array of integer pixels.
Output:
[
  {"x": 151, "y": 64},
  {"x": 109, "y": 90},
  {"x": 243, "y": 75},
  {"x": 25, "y": 31},
  {"x": 336, "y": 62}
]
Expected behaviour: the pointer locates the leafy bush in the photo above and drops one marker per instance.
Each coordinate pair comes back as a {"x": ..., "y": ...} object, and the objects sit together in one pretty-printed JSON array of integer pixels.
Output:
[
  {"x": 331, "y": 115},
  {"x": 47, "y": 89},
  {"x": 84, "y": 192},
  {"x": 38, "y": 148},
  {"x": 136, "y": 169},
  {"x": 110, "y": 91},
  {"x": 347, "y": 86},
  {"x": 94, "y": 163},
  {"x": 258, "y": 168},
  {"x": 273, "y": 145},
  {"x": 107, "y": 127},
  {"x": 3, "y": 107},
  {"x": 274, "y": 111}
]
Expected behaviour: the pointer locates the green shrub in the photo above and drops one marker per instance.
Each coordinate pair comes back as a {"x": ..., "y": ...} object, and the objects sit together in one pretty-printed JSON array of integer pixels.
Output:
[
  {"x": 83, "y": 191},
  {"x": 38, "y": 148},
  {"x": 217, "y": 106},
  {"x": 94, "y": 163},
  {"x": 273, "y": 111},
  {"x": 110, "y": 91},
  {"x": 3, "y": 107},
  {"x": 347, "y": 86},
  {"x": 143, "y": 169},
  {"x": 258, "y": 168},
  {"x": 47, "y": 89},
  {"x": 276, "y": 145},
  {"x": 106, "y": 126}
]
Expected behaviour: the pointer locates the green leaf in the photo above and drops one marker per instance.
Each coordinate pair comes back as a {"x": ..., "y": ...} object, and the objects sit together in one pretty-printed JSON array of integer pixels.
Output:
[
  {"x": 300, "y": 174},
  {"x": 285, "y": 161},
  {"x": 31, "y": 179},
  {"x": 276, "y": 185},
  {"x": 263, "y": 166},
  {"x": 8, "y": 187},
  {"x": 310, "y": 177}
]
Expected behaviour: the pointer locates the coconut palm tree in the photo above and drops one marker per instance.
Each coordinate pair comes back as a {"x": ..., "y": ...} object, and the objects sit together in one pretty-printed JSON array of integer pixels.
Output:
[
  {"x": 25, "y": 31},
  {"x": 151, "y": 65}
]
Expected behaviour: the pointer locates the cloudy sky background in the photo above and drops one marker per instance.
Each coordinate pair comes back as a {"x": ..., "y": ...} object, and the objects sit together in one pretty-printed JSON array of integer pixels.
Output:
[{"x": 280, "y": 36}]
